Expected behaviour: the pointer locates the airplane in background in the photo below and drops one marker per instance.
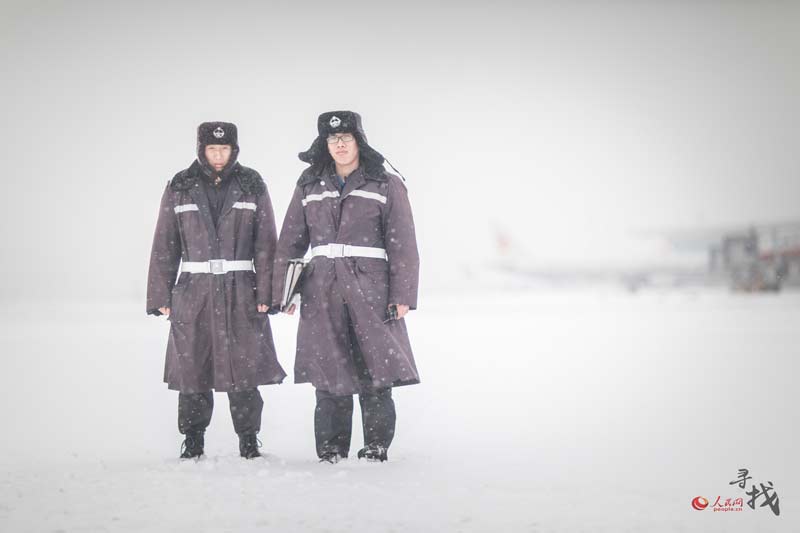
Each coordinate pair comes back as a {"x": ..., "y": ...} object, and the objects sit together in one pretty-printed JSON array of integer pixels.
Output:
[{"x": 756, "y": 257}]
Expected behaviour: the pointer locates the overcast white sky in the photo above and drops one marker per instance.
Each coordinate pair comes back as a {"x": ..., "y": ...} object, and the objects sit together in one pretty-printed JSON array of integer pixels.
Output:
[{"x": 567, "y": 123}]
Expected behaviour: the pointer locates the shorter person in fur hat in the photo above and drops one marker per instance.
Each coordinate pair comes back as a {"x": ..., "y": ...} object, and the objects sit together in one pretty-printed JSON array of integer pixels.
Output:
[
  {"x": 357, "y": 288},
  {"x": 216, "y": 226}
]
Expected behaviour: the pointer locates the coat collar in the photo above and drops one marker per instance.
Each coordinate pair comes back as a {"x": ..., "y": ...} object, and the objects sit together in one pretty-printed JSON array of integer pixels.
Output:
[
  {"x": 248, "y": 180},
  {"x": 310, "y": 175}
]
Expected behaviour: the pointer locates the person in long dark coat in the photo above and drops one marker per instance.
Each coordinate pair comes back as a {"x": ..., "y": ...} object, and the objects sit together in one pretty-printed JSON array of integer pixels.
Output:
[
  {"x": 217, "y": 224},
  {"x": 359, "y": 284}
]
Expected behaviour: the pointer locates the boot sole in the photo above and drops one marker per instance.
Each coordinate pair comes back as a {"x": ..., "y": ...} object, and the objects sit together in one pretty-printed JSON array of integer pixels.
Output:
[{"x": 194, "y": 458}]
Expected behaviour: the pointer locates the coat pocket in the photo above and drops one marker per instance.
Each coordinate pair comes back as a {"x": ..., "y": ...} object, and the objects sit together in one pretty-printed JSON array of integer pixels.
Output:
[
  {"x": 369, "y": 265},
  {"x": 373, "y": 279},
  {"x": 244, "y": 294},
  {"x": 185, "y": 303}
]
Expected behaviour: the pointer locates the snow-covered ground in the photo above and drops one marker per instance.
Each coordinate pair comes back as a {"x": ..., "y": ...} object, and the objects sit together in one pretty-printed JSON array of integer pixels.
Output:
[{"x": 540, "y": 410}]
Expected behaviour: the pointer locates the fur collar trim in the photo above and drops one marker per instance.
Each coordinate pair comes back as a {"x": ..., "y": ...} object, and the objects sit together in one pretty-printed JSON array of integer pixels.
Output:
[
  {"x": 249, "y": 180},
  {"x": 312, "y": 174}
]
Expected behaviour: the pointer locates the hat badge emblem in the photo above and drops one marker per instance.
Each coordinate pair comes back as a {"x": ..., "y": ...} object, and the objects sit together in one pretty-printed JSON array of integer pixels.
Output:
[
  {"x": 335, "y": 122},
  {"x": 219, "y": 133}
]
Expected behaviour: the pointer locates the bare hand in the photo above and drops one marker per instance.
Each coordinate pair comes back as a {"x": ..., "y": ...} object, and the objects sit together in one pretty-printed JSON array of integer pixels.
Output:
[
  {"x": 263, "y": 308},
  {"x": 290, "y": 310},
  {"x": 401, "y": 310},
  {"x": 164, "y": 310}
]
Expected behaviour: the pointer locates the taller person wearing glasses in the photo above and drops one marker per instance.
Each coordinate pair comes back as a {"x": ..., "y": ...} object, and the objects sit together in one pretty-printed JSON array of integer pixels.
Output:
[{"x": 358, "y": 286}]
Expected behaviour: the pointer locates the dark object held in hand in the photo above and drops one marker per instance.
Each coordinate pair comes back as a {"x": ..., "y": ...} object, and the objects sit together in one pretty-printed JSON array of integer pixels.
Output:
[{"x": 391, "y": 313}]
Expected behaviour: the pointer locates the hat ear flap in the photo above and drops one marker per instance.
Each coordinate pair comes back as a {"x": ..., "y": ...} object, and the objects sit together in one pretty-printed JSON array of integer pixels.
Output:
[
  {"x": 370, "y": 157},
  {"x": 306, "y": 156},
  {"x": 316, "y": 152}
]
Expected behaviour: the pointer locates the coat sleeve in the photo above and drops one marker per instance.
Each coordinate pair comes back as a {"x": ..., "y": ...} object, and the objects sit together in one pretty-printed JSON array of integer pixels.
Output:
[
  {"x": 265, "y": 236},
  {"x": 292, "y": 244},
  {"x": 401, "y": 246},
  {"x": 165, "y": 256}
]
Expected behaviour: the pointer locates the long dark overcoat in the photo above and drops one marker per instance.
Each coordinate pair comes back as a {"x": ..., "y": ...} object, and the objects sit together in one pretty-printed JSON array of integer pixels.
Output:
[
  {"x": 372, "y": 211},
  {"x": 217, "y": 339}
]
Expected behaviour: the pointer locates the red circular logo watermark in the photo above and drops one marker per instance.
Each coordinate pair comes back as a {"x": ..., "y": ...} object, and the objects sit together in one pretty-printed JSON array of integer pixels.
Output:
[{"x": 699, "y": 503}]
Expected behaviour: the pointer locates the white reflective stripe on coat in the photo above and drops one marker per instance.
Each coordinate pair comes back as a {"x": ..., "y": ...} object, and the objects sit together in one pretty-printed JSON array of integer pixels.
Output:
[
  {"x": 186, "y": 207},
  {"x": 244, "y": 205},
  {"x": 320, "y": 196},
  {"x": 366, "y": 194}
]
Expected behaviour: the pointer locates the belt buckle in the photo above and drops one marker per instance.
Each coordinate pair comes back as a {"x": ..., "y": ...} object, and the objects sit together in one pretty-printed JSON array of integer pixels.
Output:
[
  {"x": 216, "y": 266},
  {"x": 336, "y": 250}
]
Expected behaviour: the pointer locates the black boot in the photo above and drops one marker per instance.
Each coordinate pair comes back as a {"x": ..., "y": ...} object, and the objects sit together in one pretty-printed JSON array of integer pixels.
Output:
[
  {"x": 249, "y": 445},
  {"x": 373, "y": 452},
  {"x": 193, "y": 445},
  {"x": 331, "y": 457},
  {"x": 331, "y": 454}
]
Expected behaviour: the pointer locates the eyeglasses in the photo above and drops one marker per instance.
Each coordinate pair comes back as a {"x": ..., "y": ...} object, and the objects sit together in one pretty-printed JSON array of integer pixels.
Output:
[{"x": 346, "y": 138}]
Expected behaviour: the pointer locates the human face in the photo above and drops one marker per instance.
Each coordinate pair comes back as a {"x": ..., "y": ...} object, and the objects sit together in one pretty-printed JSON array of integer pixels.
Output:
[
  {"x": 344, "y": 152},
  {"x": 218, "y": 155}
]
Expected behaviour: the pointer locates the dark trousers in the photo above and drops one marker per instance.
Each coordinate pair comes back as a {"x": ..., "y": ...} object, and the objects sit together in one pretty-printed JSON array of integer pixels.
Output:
[
  {"x": 194, "y": 411},
  {"x": 333, "y": 415},
  {"x": 333, "y": 420}
]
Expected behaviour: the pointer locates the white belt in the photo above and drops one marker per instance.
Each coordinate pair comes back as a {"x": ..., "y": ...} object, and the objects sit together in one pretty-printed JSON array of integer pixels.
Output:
[
  {"x": 215, "y": 266},
  {"x": 346, "y": 250}
]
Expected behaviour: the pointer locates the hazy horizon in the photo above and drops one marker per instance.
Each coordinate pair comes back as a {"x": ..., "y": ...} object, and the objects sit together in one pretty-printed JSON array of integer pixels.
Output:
[{"x": 569, "y": 125}]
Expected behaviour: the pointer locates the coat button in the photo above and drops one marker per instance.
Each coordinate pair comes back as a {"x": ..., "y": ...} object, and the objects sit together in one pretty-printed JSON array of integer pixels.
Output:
[{"x": 322, "y": 182}]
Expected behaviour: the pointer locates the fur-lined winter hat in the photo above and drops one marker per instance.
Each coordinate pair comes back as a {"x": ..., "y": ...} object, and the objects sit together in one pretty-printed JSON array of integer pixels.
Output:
[
  {"x": 334, "y": 122},
  {"x": 217, "y": 133}
]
